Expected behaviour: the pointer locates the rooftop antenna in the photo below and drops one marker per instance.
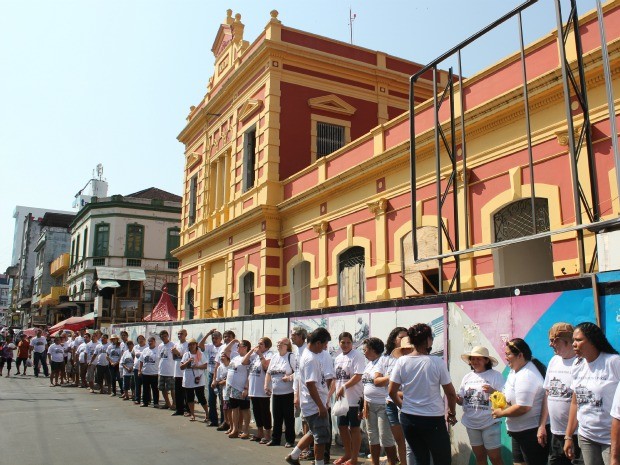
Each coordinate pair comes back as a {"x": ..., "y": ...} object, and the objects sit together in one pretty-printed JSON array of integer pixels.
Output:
[{"x": 352, "y": 17}]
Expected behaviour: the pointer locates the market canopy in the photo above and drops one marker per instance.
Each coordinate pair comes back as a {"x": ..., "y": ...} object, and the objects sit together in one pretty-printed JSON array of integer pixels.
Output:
[
  {"x": 120, "y": 274},
  {"x": 103, "y": 283},
  {"x": 164, "y": 310},
  {"x": 75, "y": 323}
]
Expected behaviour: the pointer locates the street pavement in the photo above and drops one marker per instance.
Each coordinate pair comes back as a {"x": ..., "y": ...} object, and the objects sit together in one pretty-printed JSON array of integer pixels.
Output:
[{"x": 63, "y": 425}]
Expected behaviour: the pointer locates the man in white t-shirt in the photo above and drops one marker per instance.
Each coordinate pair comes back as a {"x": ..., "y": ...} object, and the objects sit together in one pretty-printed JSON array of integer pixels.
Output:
[
  {"x": 559, "y": 394},
  {"x": 229, "y": 342},
  {"x": 38, "y": 346},
  {"x": 178, "y": 351},
  {"x": 315, "y": 380},
  {"x": 166, "y": 369},
  {"x": 212, "y": 352}
]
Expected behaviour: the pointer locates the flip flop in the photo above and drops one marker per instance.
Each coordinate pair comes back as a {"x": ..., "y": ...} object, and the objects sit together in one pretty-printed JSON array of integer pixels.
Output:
[
  {"x": 192, "y": 419},
  {"x": 244, "y": 436}
]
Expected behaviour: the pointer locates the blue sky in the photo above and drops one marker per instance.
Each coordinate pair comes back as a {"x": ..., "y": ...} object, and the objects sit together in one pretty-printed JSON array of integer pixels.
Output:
[{"x": 111, "y": 81}]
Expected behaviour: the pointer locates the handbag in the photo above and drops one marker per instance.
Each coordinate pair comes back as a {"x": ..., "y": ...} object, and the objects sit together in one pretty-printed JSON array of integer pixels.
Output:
[
  {"x": 340, "y": 407},
  {"x": 29, "y": 363}
]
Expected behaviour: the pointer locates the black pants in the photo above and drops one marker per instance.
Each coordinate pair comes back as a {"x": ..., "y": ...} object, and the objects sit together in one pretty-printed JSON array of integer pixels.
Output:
[
  {"x": 179, "y": 395},
  {"x": 427, "y": 436},
  {"x": 40, "y": 357},
  {"x": 197, "y": 392},
  {"x": 149, "y": 386},
  {"x": 262, "y": 414},
  {"x": 213, "y": 396},
  {"x": 137, "y": 382},
  {"x": 556, "y": 451},
  {"x": 115, "y": 376},
  {"x": 102, "y": 374},
  {"x": 283, "y": 410},
  {"x": 526, "y": 442}
]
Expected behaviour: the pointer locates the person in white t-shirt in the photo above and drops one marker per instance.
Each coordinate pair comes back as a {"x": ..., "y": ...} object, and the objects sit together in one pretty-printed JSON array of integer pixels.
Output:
[
  {"x": 38, "y": 346},
  {"x": 102, "y": 373},
  {"x": 126, "y": 371},
  {"x": 559, "y": 394},
  {"x": 595, "y": 378},
  {"x": 148, "y": 368},
  {"x": 483, "y": 430},
  {"x": 166, "y": 369},
  {"x": 615, "y": 428},
  {"x": 315, "y": 377},
  {"x": 90, "y": 360},
  {"x": 137, "y": 380},
  {"x": 279, "y": 384},
  {"x": 349, "y": 366},
  {"x": 114, "y": 353},
  {"x": 298, "y": 338},
  {"x": 212, "y": 351},
  {"x": 525, "y": 397},
  {"x": 237, "y": 384},
  {"x": 56, "y": 357},
  {"x": 193, "y": 365},
  {"x": 374, "y": 411},
  {"x": 423, "y": 411},
  {"x": 221, "y": 378},
  {"x": 258, "y": 360},
  {"x": 178, "y": 351},
  {"x": 81, "y": 354}
]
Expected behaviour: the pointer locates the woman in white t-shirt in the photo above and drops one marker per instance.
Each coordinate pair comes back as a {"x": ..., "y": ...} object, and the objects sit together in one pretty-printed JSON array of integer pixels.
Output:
[
  {"x": 193, "y": 364},
  {"x": 126, "y": 371},
  {"x": 137, "y": 380},
  {"x": 483, "y": 430},
  {"x": 595, "y": 378},
  {"x": 237, "y": 383},
  {"x": 349, "y": 367},
  {"x": 525, "y": 395},
  {"x": 221, "y": 376},
  {"x": 258, "y": 361},
  {"x": 422, "y": 409},
  {"x": 279, "y": 384},
  {"x": 377, "y": 423}
]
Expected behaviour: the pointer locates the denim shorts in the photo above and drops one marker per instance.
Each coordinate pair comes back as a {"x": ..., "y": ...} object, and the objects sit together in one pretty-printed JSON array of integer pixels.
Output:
[
  {"x": 489, "y": 437},
  {"x": 392, "y": 413},
  {"x": 351, "y": 419},
  {"x": 319, "y": 427}
]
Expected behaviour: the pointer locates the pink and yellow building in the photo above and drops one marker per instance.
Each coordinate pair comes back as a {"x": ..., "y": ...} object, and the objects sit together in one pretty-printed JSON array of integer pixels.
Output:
[{"x": 297, "y": 184}]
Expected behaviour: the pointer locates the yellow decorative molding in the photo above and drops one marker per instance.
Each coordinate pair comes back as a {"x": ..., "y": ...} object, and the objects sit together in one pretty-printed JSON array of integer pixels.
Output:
[
  {"x": 562, "y": 135},
  {"x": 378, "y": 207},
  {"x": 320, "y": 228},
  {"x": 331, "y": 103},
  {"x": 192, "y": 159},
  {"x": 249, "y": 108}
]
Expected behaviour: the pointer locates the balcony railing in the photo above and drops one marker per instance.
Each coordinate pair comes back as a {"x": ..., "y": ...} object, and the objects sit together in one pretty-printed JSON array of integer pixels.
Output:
[
  {"x": 60, "y": 265},
  {"x": 54, "y": 296}
]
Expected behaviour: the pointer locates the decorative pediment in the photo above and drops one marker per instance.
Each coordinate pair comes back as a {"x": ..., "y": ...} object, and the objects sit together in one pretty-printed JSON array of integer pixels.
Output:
[
  {"x": 331, "y": 103},
  {"x": 192, "y": 159},
  {"x": 224, "y": 35},
  {"x": 250, "y": 107}
]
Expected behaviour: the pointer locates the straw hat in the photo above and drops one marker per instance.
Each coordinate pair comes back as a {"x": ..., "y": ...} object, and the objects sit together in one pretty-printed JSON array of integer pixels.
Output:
[
  {"x": 561, "y": 331},
  {"x": 404, "y": 344},
  {"x": 114, "y": 336},
  {"x": 192, "y": 340},
  {"x": 479, "y": 351}
]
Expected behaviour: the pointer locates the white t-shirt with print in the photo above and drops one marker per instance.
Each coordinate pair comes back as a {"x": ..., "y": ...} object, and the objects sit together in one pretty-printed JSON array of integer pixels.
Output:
[
  {"x": 91, "y": 347},
  {"x": 67, "y": 346},
  {"x": 373, "y": 394},
  {"x": 257, "y": 375},
  {"x": 150, "y": 361},
  {"x": 346, "y": 366},
  {"x": 56, "y": 353},
  {"x": 137, "y": 352},
  {"x": 525, "y": 388},
  {"x": 311, "y": 370},
  {"x": 476, "y": 405},
  {"x": 166, "y": 361},
  {"x": 212, "y": 352},
  {"x": 594, "y": 385},
  {"x": 114, "y": 352},
  {"x": 222, "y": 373},
  {"x": 421, "y": 378},
  {"x": 279, "y": 367},
  {"x": 615, "y": 407},
  {"x": 300, "y": 352},
  {"x": 385, "y": 367},
  {"x": 81, "y": 351},
  {"x": 559, "y": 394},
  {"x": 101, "y": 351},
  {"x": 190, "y": 374},
  {"x": 38, "y": 344},
  {"x": 126, "y": 361},
  {"x": 234, "y": 351},
  {"x": 182, "y": 348},
  {"x": 237, "y": 373}
]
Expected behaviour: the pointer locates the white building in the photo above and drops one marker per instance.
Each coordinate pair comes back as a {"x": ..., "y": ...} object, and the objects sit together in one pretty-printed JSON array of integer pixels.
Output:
[{"x": 120, "y": 254}]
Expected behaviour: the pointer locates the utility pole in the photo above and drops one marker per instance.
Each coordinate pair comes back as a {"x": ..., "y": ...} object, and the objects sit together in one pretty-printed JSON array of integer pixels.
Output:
[{"x": 352, "y": 17}]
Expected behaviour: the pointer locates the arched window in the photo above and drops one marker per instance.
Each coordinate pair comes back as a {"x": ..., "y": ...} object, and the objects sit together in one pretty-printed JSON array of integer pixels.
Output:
[
  {"x": 189, "y": 305},
  {"x": 246, "y": 294},
  {"x": 300, "y": 286},
  {"x": 527, "y": 261},
  {"x": 351, "y": 276}
]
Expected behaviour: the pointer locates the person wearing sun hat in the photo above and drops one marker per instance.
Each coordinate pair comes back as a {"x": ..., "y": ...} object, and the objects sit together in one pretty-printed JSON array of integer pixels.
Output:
[
  {"x": 483, "y": 430},
  {"x": 193, "y": 364}
]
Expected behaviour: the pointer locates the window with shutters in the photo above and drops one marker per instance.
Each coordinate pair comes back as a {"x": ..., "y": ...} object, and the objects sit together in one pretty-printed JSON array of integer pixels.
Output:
[
  {"x": 329, "y": 138},
  {"x": 173, "y": 242},
  {"x": 77, "y": 249},
  {"x": 85, "y": 246},
  {"x": 247, "y": 294},
  {"x": 352, "y": 276},
  {"x": 102, "y": 240},
  {"x": 193, "y": 192},
  {"x": 249, "y": 159},
  {"x": 135, "y": 241}
]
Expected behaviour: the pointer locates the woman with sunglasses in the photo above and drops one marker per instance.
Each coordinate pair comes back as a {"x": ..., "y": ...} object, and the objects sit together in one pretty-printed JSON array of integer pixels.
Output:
[
  {"x": 525, "y": 396},
  {"x": 279, "y": 384}
]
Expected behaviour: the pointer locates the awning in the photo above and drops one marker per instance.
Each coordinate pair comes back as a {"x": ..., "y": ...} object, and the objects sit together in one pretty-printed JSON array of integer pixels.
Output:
[
  {"x": 66, "y": 304},
  {"x": 23, "y": 302},
  {"x": 74, "y": 323},
  {"x": 120, "y": 274},
  {"x": 103, "y": 283}
]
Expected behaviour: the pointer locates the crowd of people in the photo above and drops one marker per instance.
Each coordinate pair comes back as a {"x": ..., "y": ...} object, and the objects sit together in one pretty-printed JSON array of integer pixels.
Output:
[{"x": 567, "y": 412}]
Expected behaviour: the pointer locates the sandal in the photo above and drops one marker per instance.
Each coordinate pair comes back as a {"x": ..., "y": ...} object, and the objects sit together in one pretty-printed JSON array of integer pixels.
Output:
[
  {"x": 256, "y": 438},
  {"x": 264, "y": 441},
  {"x": 244, "y": 436},
  {"x": 233, "y": 435},
  {"x": 339, "y": 461},
  {"x": 192, "y": 419}
]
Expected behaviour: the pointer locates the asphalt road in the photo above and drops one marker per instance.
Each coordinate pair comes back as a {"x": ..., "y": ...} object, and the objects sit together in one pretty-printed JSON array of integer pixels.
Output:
[{"x": 61, "y": 425}]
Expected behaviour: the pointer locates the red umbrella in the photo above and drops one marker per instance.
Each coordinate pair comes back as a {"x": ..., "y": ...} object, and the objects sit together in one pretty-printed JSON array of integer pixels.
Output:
[
  {"x": 32, "y": 332},
  {"x": 75, "y": 323}
]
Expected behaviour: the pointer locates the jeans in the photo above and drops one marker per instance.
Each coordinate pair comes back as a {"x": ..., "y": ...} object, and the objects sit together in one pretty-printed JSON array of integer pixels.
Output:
[
  {"x": 427, "y": 437},
  {"x": 137, "y": 382},
  {"x": 127, "y": 383},
  {"x": 213, "y": 403},
  {"x": 40, "y": 357},
  {"x": 179, "y": 395},
  {"x": 594, "y": 453},
  {"x": 556, "y": 451},
  {"x": 149, "y": 383},
  {"x": 283, "y": 410},
  {"x": 527, "y": 443},
  {"x": 115, "y": 376}
]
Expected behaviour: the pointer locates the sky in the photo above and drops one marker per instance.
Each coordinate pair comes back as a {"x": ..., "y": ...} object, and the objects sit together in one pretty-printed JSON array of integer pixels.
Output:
[{"x": 84, "y": 82}]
